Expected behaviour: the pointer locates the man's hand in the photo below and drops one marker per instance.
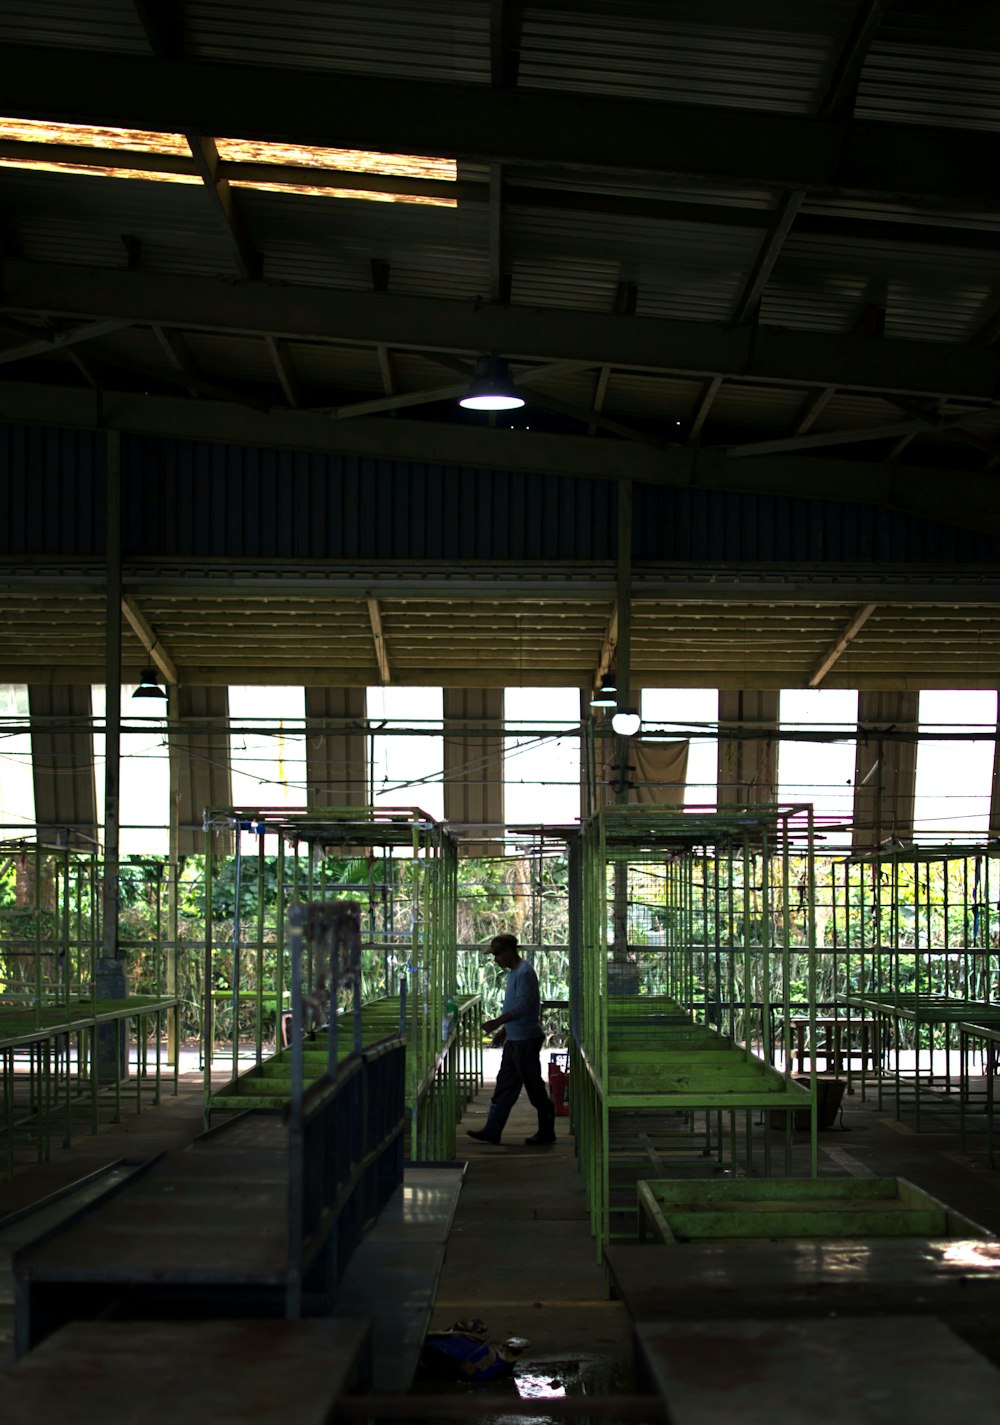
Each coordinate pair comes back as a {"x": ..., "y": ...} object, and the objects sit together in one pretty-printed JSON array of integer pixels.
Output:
[
  {"x": 500, "y": 1037},
  {"x": 490, "y": 1026}
]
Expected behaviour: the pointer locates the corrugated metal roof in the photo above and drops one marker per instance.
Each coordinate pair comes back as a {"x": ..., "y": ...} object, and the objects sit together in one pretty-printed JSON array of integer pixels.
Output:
[
  {"x": 634, "y": 395},
  {"x": 747, "y": 311},
  {"x": 568, "y": 283},
  {"x": 68, "y": 218},
  {"x": 245, "y": 358},
  {"x": 739, "y": 405},
  {"x": 87, "y": 24},
  {"x": 699, "y": 52},
  {"x": 915, "y": 75},
  {"x": 429, "y": 41},
  {"x": 337, "y": 370}
]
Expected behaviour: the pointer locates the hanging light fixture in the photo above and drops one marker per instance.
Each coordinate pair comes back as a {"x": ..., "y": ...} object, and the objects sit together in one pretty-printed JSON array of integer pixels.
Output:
[
  {"x": 149, "y": 685},
  {"x": 491, "y": 388},
  {"x": 607, "y": 694},
  {"x": 626, "y": 722}
]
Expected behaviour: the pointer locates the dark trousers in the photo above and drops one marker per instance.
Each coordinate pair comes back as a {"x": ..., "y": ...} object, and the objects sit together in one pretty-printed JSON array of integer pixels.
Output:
[{"x": 520, "y": 1066}]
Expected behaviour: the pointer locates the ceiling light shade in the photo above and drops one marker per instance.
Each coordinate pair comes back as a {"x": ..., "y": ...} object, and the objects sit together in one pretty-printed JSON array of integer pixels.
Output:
[
  {"x": 149, "y": 685},
  {"x": 606, "y": 695},
  {"x": 491, "y": 388},
  {"x": 626, "y": 722}
]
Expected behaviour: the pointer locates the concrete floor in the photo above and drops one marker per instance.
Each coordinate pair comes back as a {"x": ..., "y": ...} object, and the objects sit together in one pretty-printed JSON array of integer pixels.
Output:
[
  {"x": 520, "y": 1255},
  {"x": 521, "y": 1258}
]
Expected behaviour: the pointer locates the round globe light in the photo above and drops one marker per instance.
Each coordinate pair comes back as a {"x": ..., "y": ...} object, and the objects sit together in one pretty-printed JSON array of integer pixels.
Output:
[{"x": 626, "y": 722}]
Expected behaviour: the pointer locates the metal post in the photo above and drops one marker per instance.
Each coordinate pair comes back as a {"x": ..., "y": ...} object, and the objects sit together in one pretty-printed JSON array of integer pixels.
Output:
[
  {"x": 112, "y": 1046},
  {"x": 173, "y": 903}
]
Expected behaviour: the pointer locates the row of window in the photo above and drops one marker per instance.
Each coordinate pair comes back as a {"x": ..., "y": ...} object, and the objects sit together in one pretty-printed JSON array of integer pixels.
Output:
[{"x": 541, "y": 773}]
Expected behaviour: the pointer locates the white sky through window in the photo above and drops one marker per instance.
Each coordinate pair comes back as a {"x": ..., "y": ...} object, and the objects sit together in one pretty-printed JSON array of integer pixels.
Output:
[
  {"x": 408, "y": 771},
  {"x": 541, "y": 774},
  {"x": 268, "y": 759},
  {"x": 17, "y": 790},
  {"x": 953, "y": 782},
  {"x": 820, "y": 772},
  {"x": 954, "y": 779},
  {"x": 144, "y": 780}
]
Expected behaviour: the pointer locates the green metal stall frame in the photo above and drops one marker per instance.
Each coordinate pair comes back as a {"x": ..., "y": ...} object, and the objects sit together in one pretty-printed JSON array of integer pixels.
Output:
[
  {"x": 65, "y": 1021},
  {"x": 409, "y": 959},
  {"x": 686, "y": 1026},
  {"x": 918, "y": 939}
]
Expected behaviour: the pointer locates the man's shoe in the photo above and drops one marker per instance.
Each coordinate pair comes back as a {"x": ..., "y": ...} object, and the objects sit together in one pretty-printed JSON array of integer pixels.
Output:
[
  {"x": 539, "y": 1139},
  {"x": 481, "y": 1136}
]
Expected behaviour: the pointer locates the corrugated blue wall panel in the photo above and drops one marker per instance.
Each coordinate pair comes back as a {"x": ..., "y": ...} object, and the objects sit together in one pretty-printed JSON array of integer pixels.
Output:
[
  {"x": 226, "y": 501},
  {"x": 187, "y": 499},
  {"x": 51, "y": 491},
  {"x": 699, "y": 526}
]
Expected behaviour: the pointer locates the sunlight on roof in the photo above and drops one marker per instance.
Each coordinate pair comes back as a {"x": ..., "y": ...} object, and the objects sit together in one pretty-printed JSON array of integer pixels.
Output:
[
  {"x": 343, "y": 160},
  {"x": 90, "y": 170},
  {"x": 370, "y": 196},
  {"x": 391, "y": 165},
  {"x": 87, "y": 136}
]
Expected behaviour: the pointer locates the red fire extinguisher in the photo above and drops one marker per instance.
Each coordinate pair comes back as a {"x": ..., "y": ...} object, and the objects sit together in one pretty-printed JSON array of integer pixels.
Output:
[{"x": 559, "y": 1082}]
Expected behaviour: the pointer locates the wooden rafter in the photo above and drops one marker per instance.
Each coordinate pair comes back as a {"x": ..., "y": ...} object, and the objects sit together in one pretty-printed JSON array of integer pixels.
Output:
[
  {"x": 608, "y": 648},
  {"x": 381, "y": 652},
  {"x": 148, "y": 638},
  {"x": 206, "y": 162},
  {"x": 850, "y": 632}
]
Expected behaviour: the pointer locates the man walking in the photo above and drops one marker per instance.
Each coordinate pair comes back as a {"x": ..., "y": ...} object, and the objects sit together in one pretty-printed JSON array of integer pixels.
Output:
[{"x": 518, "y": 1028}]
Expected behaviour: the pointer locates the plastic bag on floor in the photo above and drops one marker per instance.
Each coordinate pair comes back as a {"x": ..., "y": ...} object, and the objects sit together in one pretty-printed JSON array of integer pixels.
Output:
[{"x": 464, "y": 1352}]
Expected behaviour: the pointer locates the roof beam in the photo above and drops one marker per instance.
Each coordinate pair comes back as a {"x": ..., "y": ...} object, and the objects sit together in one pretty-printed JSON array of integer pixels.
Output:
[
  {"x": 837, "y": 102},
  {"x": 839, "y": 646},
  {"x": 59, "y": 341},
  {"x": 839, "y": 97},
  {"x": 941, "y": 426},
  {"x": 706, "y": 396},
  {"x": 381, "y": 652},
  {"x": 317, "y": 314},
  {"x": 178, "y": 358},
  {"x": 206, "y": 162},
  {"x": 767, "y": 673},
  {"x": 499, "y": 285},
  {"x": 147, "y": 637},
  {"x": 770, "y": 251},
  {"x": 506, "y": 17},
  {"x": 625, "y": 303},
  {"x": 924, "y": 589},
  {"x": 916, "y": 426},
  {"x": 485, "y": 124},
  {"x": 812, "y": 408},
  {"x": 283, "y": 370},
  {"x": 84, "y": 369},
  {"x": 163, "y": 24},
  {"x": 181, "y": 371},
  {"x": 441, "y": 393}
]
